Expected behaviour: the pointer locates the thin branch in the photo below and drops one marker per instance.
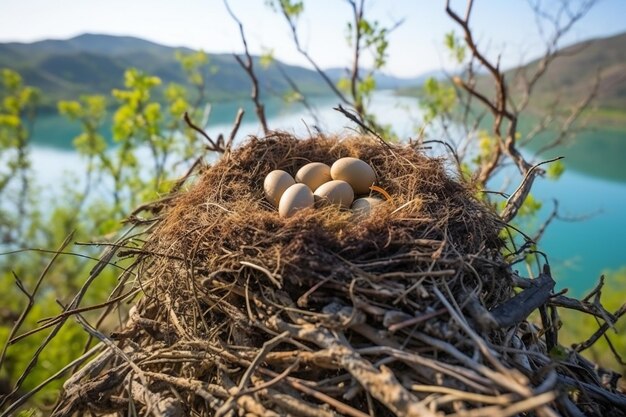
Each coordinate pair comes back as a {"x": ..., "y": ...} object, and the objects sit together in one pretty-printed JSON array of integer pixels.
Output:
[
  {"x": 20, "y": 321},
  {"x": 248, "y": 67},
  {"x": 515, "y": 201}
]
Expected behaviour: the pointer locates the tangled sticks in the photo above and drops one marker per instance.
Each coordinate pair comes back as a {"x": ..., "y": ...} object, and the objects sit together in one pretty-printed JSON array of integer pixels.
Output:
[{"x": 410, "y": 311}]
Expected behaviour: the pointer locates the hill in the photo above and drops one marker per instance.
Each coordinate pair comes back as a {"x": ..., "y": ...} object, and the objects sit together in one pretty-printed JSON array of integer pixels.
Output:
[
  {"x": 385, "y": 81},
  {"x": 572, "y": 75},
  {"x": 90, "y": 63}
]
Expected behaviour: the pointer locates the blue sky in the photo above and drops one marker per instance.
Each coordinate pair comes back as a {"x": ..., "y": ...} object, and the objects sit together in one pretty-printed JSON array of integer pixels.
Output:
[{"x": 502, "y": 26}]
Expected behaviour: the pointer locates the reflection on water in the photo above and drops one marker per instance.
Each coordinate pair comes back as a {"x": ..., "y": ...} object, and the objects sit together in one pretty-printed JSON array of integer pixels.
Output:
[{"x": 579, "y": 251}]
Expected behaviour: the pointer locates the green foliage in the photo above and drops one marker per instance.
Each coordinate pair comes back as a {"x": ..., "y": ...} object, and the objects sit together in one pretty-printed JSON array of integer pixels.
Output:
[
  {"x": 530, "y": 207},
  {"x": 17, "y": 111},
  {"x": 267, "y": 58},
  {"x": 293, "y": 9},
  {"x": 456, "y": 47},
  {"x": 578, "y": 327},
  {"x": 98, "y": 66},
  {"x": 438, "y": 99},
  {"x": 555, "y": 170},
  {"x": 117, "y": 179}
]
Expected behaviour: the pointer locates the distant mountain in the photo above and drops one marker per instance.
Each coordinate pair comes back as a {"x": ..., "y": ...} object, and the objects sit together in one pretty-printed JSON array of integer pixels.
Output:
[
  {"x": 572, "y": 75},
  {"x": 90, "y": 64},
  {"x": 387, "y": 81}
]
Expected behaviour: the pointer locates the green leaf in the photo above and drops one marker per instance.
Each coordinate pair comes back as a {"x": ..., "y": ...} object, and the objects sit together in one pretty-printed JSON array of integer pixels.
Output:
[
  {"x": 267, "y": 58},
  {"x": 555, "y": 170}
]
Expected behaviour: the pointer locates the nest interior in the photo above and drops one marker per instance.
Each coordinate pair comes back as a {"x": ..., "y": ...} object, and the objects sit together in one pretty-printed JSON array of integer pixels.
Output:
[{"x": 326, "y": 313}]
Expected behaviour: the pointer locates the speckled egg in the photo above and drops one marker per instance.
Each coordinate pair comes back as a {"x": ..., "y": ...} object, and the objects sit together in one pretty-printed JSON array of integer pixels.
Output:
[
  {"x": 275, "y": 184},
  {"x": 335, "y": 192},
  {"x": 313, "y": 175},
  {"x": 294, "y": 199},
  {"x": 363, "y": 206},
  {"x": 355, "y": 172}
]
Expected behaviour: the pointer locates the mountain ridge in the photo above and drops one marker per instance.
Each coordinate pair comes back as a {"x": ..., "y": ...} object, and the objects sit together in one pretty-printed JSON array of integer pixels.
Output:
[
  {"x": 95, "y": 64},
  {"x": 570, "y": 77},
  {"x": 92, "y": 63}
]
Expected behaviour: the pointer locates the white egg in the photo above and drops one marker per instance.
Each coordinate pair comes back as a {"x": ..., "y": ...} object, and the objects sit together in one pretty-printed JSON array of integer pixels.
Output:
[
  {"x": 335, "y": 192},
  {"x": 294, "y": 199},
  {"x": 355, "y": 172},
  {"x": 313, "y": 174},
  {"x": 275, "y": 184},
  {"x": 364, "y": 206}
]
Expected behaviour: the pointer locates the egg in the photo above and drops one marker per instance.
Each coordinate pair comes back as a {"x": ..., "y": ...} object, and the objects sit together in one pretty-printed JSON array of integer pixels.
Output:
[
  {"x": 363, "y": 206},
  {"x": 294, "y": 199},
  {"x": 335, "y": 192},
  {"x": 355, "y": 172},
  {"x": 275, "y": 184},
  {"x": 313, "y": 174}
]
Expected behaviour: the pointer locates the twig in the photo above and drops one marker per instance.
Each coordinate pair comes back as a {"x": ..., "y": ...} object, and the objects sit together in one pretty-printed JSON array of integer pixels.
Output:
[
  {"x": 31, "y": 301},
  {"x": 521, "y": 305},
  {"x": 362, "y": 124},
  {"x": 517, "y": 198},
  {"x": 248, "y": 67},
  {"x": 601, "y": 331},
  {"x": 213, "y": 145},
  {"x": 76, "y": 362}
]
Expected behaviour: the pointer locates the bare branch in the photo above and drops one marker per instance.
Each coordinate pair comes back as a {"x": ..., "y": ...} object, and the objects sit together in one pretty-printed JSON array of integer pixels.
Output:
[
  {"x": 517, "y": 198},
  {"x": 305, "y": 54},
  {"x": 248, "y": 67}
]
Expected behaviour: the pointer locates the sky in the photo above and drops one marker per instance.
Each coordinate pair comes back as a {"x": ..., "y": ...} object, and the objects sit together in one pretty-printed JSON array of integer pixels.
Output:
[{"x": 502, "y": 27}]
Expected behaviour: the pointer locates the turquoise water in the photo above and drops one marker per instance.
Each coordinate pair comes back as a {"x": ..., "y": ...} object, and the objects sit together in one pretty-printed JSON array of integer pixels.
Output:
[{"x": 579, "y": 251}]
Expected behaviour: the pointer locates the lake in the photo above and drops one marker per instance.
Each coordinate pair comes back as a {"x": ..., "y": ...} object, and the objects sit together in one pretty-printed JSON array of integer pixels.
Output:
[{"x": 593, "y": 185}]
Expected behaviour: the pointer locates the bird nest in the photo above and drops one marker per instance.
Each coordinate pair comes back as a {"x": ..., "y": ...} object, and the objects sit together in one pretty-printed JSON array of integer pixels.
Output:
[{"x": 409, "y": 311}]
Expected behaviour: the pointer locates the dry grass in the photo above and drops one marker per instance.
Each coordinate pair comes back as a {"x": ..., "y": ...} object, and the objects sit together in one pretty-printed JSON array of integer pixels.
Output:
[{"x": 327, "y": 314}]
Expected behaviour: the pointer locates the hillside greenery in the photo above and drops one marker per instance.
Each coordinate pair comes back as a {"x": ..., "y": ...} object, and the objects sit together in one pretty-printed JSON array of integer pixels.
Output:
[
  {"x": 95, "y": 64},
  {"x": 570, "y": 77}
]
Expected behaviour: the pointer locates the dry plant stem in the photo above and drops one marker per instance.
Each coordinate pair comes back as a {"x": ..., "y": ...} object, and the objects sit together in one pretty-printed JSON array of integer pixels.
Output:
[
  {"x": 362, "y": 124},
  {"x": 305, "y": 54},
  {"x": 381, "y": 384},
  {"x": 565, "y": 302},
  {"x": 104, "y": 261},
  {"x": 20, "y": 320},
  {"x": 267, "y": 347},
  {"x": 301, "y": 97},
  {"x": 156, "y": 405},
  {"x": 498, "y": 107},
  {"x": 248, "y": 67},
  {"x": 234, "y": 130},
  {"x": 517, "y": 198},
  {"x": 344, "y": 409},
  {"x": 503, "y": 399},
  {"x": 76, "y": 362},
  {"x": 521, "y": 305},
  {"x": 357, "y": 12},
  {"x": 339, "y": 281},
  {"x": 601, "y": 331},
  {"x": 213, "y": 146},
  {"x": 295, "y": 406}
]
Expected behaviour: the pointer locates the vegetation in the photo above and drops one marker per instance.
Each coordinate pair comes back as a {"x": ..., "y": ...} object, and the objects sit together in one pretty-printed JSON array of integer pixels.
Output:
[
  {"x": 570, "y": 78},
  {"x": 153, "y": 145},
  {"x": 95, "y": 64}
]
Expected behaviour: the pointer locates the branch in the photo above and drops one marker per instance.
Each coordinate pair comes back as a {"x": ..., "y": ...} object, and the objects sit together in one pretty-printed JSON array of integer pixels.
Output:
[
  {"x": 305, "y": 54},
  {"x": 519, "y": 307},
  {"x": 248, "y": 67},
  {"x": 22, "y": 318},
  {"x": 362, "y": 124},
  {"x": 516, "y": 199}
]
